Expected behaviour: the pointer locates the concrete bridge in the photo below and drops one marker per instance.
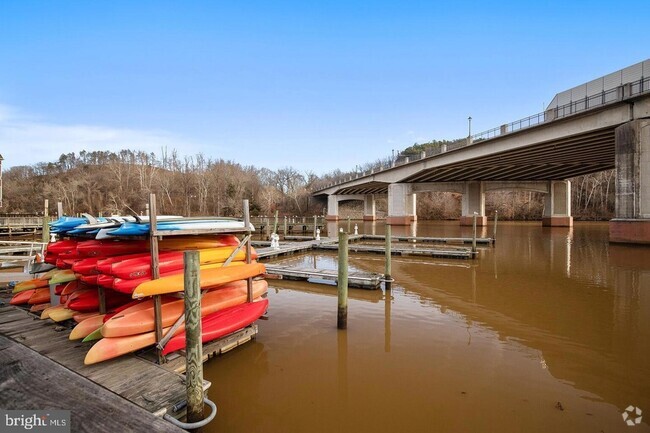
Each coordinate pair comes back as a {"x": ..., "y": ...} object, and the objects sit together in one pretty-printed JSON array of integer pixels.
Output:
[{"x": 604, "y": 125}]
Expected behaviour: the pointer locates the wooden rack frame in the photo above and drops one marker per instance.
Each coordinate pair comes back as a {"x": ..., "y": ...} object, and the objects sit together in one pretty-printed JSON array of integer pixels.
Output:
[{"x": 155, "y": 235}]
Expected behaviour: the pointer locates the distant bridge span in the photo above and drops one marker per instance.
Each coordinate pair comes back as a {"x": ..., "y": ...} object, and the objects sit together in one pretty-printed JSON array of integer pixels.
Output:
[{"x": 561, "y": 143}]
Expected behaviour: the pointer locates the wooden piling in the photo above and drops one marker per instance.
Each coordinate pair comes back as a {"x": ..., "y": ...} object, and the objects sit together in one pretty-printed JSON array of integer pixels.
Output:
[
  {"x": 349, "y": 225},
  {"x": 388, "y": 271},
  {"x": 155, "y": 272},
  {"x": 59, "y": 209},
  {"x": 194, "y": 347},
  {"x": 275, "y": 223},
  {"x": 474, "y": 235},
  {"x": 249, "y": 250},
  {"x": 496, "y": 219},
  {"x": 46, "y": 225},
  {"x": 285, "y": 227},
  {"x": 315, "y": 225},
  {"x": 342, "y": 314}
]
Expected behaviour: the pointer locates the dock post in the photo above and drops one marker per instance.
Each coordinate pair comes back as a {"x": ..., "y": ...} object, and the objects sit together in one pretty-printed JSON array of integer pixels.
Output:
[
  {"x": 59, "y": 209},
  {"x": 275, "y": 223},
  {"x": 46, "y": 220},
  {"x": 342, "y": 314},
  {"x": 155, "y": 272},
  {"x": 388, "y": 271},
  {"x": 496, "y": 219},
  {"x": 249, "y": 251},
  {"x": 348, "y": 224},
  {"x": 474, "y": 235},
  {"x": 194, "y": 347},
  {"x": 315, "y": 225},
  {"x": 285, "y": 228},
  {"x": 101, "y": 294}
]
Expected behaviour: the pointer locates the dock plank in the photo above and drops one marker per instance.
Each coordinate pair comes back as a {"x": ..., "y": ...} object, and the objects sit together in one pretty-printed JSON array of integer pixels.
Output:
[
  {"x": 35, "y": 382},
  {"x": 148, "y": 385}
]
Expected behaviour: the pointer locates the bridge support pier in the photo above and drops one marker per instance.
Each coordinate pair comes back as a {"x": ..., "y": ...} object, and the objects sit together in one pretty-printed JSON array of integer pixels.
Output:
[
  {"x": 369, "y": 211},
  {"x": 557, "y": 205},
  {"x": 401, "y": 204},
  {"x": 632, "y": 222},
  {"x": 473, "y": 201},
  {"x": 332, "y": 208}
]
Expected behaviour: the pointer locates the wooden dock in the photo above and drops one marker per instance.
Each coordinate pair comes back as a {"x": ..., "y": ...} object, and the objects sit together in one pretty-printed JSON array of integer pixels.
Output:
[
  {"x": 31, "y": 381},
  {"x": 360, "y": 280},
  {"x": 152, "y": 387},
  {"x": 483, "y": 241},
  {"x": 459, "y": 253}
]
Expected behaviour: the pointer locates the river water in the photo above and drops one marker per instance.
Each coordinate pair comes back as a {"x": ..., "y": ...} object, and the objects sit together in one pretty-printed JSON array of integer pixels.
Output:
[{"x": 549, "y": 330}]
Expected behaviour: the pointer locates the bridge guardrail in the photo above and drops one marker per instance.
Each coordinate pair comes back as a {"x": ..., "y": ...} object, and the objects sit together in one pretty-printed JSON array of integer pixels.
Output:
[{"x": 611, "y": 96}]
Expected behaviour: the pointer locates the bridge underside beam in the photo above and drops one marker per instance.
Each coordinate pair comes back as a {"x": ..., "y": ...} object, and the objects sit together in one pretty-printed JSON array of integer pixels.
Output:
[{"x": 632, "y": 222}]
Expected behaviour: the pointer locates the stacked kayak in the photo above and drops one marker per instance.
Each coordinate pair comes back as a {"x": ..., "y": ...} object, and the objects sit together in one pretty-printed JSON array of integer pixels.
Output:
[{"x": 113, "y": 253}]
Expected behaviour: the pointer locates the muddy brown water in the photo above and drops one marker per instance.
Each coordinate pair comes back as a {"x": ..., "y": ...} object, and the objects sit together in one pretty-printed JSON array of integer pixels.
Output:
[{"x": 547, "y": 331}]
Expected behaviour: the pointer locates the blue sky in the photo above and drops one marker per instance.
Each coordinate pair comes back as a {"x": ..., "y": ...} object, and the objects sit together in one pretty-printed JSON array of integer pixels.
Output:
[{"x": 314, "y": 85}]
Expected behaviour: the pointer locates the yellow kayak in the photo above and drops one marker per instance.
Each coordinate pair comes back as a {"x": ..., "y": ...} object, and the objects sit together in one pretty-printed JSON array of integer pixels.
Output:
[{"x": 208, "y": 278}]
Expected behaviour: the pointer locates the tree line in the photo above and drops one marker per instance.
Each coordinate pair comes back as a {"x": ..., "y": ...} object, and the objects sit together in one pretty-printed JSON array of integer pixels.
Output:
[{"x": 106, "y": 182}]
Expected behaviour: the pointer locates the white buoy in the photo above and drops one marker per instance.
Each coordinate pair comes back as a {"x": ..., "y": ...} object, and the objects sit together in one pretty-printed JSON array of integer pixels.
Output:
[
  {"x": 318, "y": 234},
  {"x": 356, "y": 229}
]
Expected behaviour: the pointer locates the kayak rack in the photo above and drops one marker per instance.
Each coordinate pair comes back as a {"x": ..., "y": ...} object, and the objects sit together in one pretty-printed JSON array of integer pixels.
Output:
[{"x": 192, "y": 294}]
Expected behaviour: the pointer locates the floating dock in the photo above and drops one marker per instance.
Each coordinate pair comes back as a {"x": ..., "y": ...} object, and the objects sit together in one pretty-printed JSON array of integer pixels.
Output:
[
  {"x": 482, "y": 241},
  {"x": 460, "y": 253},
  {"x": 360, "y": 280}
]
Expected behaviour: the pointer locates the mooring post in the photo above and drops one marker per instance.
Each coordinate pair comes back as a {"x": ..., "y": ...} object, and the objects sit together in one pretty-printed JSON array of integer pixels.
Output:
[
  {"x": 474, "y": 235},
  {"x": 46, "y": 220},
  {"x": 59, "y": 209},
  {"x": 342, "y": 315},
  {"x": 249, "y": 249},
  {"x": 388, "y": 271},
  {"x": 275, "y": 223},
  {"x": 315, "y": 225},
  {"x": 194, "y": 347},
  {"x": 268, "y": 227},
  {"x": 285, "y": 227},
  {"x": 155, "y": 272},
  {"x": 348, "y": 224},
  {"x": 496, "y": 219}
]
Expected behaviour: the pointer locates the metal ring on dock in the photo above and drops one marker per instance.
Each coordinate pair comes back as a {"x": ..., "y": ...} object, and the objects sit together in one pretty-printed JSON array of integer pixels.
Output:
[{"x": 194, "y": 425}]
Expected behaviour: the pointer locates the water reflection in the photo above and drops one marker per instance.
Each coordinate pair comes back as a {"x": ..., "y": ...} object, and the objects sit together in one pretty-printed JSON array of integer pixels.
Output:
[{"x": 548, "y": 316}]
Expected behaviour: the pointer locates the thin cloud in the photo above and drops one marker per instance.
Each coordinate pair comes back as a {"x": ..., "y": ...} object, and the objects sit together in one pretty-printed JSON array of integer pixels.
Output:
[{"x": 26, "y": 140}]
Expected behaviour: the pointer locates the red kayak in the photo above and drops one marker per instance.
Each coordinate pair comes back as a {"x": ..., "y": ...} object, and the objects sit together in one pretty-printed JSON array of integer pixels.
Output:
[
  {"x": 222, "y": 323},
  {"x": 85, "y": 266},
  {"x": 173, "y": 261},
  {"x": 105, "y": 281},
  {"x": 91, "y": 280},
  {"x": 109, "y": 248},
  {"x": 104, "y": 265},
  {"x": 89, "y": 300},
  {"x": 63, "y": 246}
]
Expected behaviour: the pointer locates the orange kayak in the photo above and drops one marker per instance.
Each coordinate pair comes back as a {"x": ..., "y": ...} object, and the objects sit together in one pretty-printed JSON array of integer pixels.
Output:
[
  {"x": 39, "y": 307},
  {"x": 108, "y": 348},
  {"x": 92, "y": 323},
  {"x": 22, "y": 297},
  {"x": 70, "y": 287},
  {"x": 208, "y": 278},
  {"x": 40, "y": 296},
  {"x": 80, "y": 317},
  {"x": 30, "y": 285},
  {"x": 137, "y": 322}
]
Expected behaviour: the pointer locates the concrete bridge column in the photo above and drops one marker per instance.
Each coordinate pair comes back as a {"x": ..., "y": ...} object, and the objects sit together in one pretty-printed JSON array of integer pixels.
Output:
[
  {"x": 369, "y": 213},
  {"x": 473, "y": 201},
  {"x": 632, "y": 222},
  {"x": 557, "y": 205},
  {"x": 401, "y": 204},
  {"x": 332, "y": 208}
]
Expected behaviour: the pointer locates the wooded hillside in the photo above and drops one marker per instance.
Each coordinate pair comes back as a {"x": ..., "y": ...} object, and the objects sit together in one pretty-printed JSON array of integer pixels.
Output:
[{"x": 118, "y": 183}]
